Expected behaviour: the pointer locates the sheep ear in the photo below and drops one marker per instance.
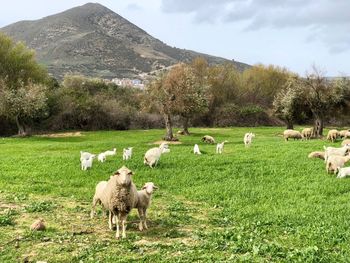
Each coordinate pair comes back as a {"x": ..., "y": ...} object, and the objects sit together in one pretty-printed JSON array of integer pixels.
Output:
[
  {"x": 117, "y": 173},
  {"x": 156, "y": 187},
  {"x": 144, "y": 187}
]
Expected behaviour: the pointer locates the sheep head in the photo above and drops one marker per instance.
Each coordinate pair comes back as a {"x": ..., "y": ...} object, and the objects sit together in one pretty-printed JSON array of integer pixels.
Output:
[
  {"x": 149, "y": 187},
  {"x": 123, "y": 176}
]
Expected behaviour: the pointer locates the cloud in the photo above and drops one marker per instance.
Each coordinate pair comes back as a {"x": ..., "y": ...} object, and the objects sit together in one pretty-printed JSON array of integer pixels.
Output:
[{"x": 326, "y": 20}]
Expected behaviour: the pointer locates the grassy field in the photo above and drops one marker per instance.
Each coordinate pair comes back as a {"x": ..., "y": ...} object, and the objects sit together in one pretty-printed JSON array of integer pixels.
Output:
[{"x": 267, "y": 203}]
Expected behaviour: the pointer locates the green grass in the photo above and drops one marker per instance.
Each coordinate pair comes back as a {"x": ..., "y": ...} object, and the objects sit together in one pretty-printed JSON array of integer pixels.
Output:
[{"x": 266, "y": 203}]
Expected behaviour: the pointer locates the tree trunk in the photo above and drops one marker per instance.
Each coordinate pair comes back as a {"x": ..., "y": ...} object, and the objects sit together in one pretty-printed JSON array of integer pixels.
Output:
[
  {"x": 185, "y": 126},
  {"x": 290, "y": 125},
  {"x": 318, "y": 127},
  {"x": 169, "y": 136},
  {"x": 20, "y": 127}
]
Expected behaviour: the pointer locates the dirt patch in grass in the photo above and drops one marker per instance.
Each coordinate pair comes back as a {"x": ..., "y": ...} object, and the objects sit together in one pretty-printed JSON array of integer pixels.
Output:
[
  {"x": 160, "y": 142},
  {"x": 61, "y": 135}
]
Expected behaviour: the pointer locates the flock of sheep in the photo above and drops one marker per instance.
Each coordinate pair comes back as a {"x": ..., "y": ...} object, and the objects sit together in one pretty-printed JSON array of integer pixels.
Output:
[
  {"x": 119, "y": 194},
  {"x": 334, "y": 157}
]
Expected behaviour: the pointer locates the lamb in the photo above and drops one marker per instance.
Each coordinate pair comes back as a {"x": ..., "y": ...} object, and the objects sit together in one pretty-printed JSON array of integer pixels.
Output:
[
  {"x": 85, "y": 155},
  {"x": 101, "y": 157},
  {"x": 208, "y": 139},
  {"x": 329, "y": 151},
  {"x": 87, "y": 163},
  {"x": 307, "y": 133},
  {"x": 196, "y": 149},
  {"x": 343, "y": 172},
  {"x": 344, "y": 134},
  {"x": 345, "y": 142},
  {"x": 332, "y": 135},
  {"x": 317, "y": 155},
  {"x": 248, "y": 138},
  {"x": 110, "y": 153},
  {"x": 335, "y": 162},
  {"x": 152, "y": 156},
  {"x": 100, "y": 187},
  {"x": 127, "y": 153},
  {"x": 220, "y": 147},
  {"x": 118, "y": 197},
  {"x": 143, "y": 202},
  {"x": 292, "y": 134}
]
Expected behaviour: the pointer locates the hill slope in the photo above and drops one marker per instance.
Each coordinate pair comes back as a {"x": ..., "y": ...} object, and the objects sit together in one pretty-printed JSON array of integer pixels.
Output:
[{"x": 94, "y": 41}]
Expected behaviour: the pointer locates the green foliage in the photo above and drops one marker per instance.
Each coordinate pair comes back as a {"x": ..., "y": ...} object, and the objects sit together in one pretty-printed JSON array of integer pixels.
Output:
[
  {"x": 7, "y": 217},
  {"x": 40, "y": 206}
]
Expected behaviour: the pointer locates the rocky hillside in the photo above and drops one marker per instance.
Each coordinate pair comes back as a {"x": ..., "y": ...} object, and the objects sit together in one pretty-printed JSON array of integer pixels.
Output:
[{"x": 93, "y": 40}]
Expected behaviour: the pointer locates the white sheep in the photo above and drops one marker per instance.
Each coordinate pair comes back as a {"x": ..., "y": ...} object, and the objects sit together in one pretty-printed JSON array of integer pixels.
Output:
[
  {"x": 110, "y": 153},
  {"x": 196, "y": 149},
  {"x": 127, "y": 153},
  {"x": 208, "y": 139},
  {"x": 332, "y": 135},
  {"x": 345, "y": 142},
  {"x": 344, "y": 134},
  {"x": 343, "y": 172},
  {"x": 307, "y": 133},
  {"x": 220, "y": 147},
  {"x": 118, "y": 197},
  {"x": 152, "y": 156},
  {"x": 317, "y": 155},
  {"x": 329, "y": 151},
  {"x": 292, "y": 134},
  {"x": 100, "y": 187},
  {"x": 87, "y": 163},
  {"x": 143, "y": 202},
  {"x": 101, "y": 157},
  {"x": 85, "y": 155},
  {"x": 335, "y": 162},
  {"x": 248, "y": 138}
]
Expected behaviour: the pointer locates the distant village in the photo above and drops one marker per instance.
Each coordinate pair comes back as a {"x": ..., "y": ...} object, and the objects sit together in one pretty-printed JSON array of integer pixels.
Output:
[{"x": 126, "y": 82}]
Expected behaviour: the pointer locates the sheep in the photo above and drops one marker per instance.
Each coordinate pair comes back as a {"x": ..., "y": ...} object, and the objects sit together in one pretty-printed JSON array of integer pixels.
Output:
[
  {"x": 307, "y": 133},
  {"x": 127, "y": 153},
  {"x": 345, "y": 142},
  {"x": 291, "y": 134},
  {"x": 208, "y": 139},
  {"x": 196, "y": 149},
  {"x": 344, "y": 134},
  {"x": 317, "y": 155},
  {"x": 329, "y": 151},
  {"x": 101, "y": 157},
  {"x": 332, "y": 135},
  {"x": 143, "y": 202},
  {"x": 343, "y": 172},
  {"x": 118, "y": 197},
  {"x": 87, "y": 163},
  {"x": 110, "y": 153},
  {"x": 248, "y": 138},
  {"x": 220, "y": 147},
  {"x": 85, "y": 155},
  {"x": 335, "y": 162},
  {"x": 100, "y": 187},
  {"x": 152, "y": 156}
]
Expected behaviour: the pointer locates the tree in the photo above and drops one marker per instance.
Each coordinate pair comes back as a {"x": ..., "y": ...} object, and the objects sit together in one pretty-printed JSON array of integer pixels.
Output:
[{"x": 22, "y": 84}]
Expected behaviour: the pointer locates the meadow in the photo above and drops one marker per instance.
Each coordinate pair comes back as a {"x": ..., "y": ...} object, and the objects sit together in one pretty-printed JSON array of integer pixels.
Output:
[{"x": 266, "y": 203}]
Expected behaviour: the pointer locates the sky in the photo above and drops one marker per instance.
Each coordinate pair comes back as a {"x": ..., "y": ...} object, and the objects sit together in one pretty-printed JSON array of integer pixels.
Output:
[{"x": 295, "y": 34}]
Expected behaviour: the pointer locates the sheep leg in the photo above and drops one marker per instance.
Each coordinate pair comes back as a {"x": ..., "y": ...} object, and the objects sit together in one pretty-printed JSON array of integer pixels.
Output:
[
  {"x": 145, "y": 218},
  {"x": 110, "y": 223},
  {"x": 123, "y": 219},
  {"x": 117, "y": 234},
  {"x": 93, "y": 208},
  {"x": 141, "y": 219}
]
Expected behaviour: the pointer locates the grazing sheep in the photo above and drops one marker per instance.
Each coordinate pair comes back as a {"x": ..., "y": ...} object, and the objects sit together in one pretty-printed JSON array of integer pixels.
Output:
[
  {"x": 85, "y": 155},
  {"x": 127, "y": 153},
  {"x": 344, "y": 134},
  {"x": 317, "y": 155},
  {"x": 291, "y": 134},
  {"x": 332, "y": 135},
  {"x": 110, "y": 153},
  {"x": 208, "y": 139},
  {"x": 101, "y": 157},
  {"x": 181, "y": 132},
  {"x": 87, "y": 163},
  {"x": 100, "y": 187},
  {"x": 196, "y": 149},
  {"x": 343, "y": 172},
  {"x": 220, "y": 147},
  {"x": 307, "y": 133},
  {"x": 143, "y": 202},
  {"x": 329, "y": 151},
  {"x": 119, "y": 197},
  {"x": 335, "y": 162},
  {"x": 248, "y": 138},
  {"x": 152, "y": 156},
  {"x": 345, "y": 142}
]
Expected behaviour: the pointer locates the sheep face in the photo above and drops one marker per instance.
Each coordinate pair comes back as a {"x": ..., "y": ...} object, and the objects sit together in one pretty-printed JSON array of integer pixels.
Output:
[
  {"x": 149, "y": 187},
  {"x": 123, "y": 176}
]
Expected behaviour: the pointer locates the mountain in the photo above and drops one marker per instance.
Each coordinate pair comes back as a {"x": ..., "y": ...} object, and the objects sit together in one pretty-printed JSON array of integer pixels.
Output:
[{"x": 94, "y": 41}]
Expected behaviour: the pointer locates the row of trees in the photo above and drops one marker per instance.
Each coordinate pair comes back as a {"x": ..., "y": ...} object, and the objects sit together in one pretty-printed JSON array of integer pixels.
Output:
[{"x": 193, "y": 94}]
